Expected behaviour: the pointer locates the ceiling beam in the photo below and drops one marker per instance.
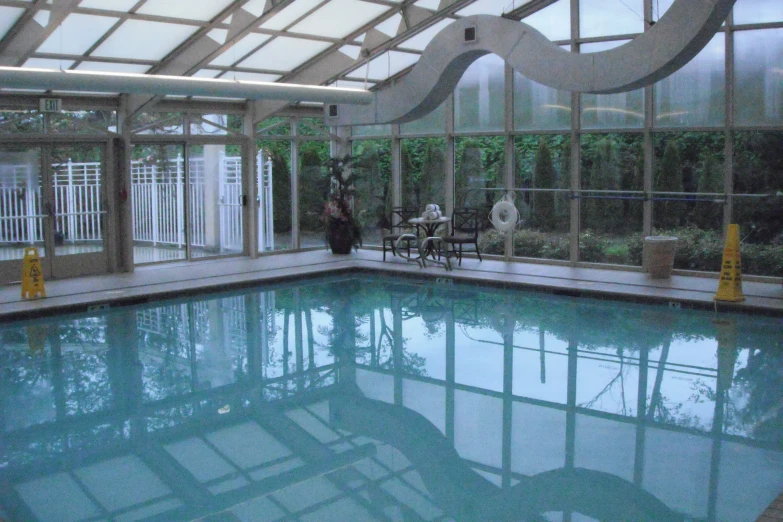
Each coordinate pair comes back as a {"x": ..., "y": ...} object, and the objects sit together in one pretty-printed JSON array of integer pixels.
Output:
[
  {"x": 528, "y": 9},
  {"x": 28, "y": 33},
  {"x": 332, "y": 64},
  {"x": 199, "y": 50}
]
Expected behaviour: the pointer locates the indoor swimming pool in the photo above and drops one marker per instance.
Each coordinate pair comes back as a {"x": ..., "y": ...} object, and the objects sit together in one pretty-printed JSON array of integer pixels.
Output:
[{"x": 359, "y": 397}]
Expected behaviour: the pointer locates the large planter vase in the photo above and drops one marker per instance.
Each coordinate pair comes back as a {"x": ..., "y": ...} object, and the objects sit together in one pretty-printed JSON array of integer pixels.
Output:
[{"x": 340, "y": 237}]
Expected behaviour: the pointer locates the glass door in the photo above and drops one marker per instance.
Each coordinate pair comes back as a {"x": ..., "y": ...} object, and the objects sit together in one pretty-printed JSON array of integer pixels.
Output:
[
  {"x": 216, "y": 197},
  {"x": 159, "y": 200},
  {"x": 22, "y": 217},
  {"x": 52, "y": 198},
  {"x": 76, "y": 206}
]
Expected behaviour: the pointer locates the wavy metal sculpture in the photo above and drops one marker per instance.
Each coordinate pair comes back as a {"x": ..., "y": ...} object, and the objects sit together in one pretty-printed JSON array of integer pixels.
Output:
[{"x": 672, "y": 42}]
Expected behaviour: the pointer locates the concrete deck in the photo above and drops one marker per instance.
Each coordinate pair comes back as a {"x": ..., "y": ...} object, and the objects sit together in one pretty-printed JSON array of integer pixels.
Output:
[{"x": 159, "y": 281}]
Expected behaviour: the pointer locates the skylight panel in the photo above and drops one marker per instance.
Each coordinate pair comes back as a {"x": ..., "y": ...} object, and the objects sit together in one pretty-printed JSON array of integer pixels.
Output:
[
  {"x": 109, "y": 5},
  {"x": 491, "y": 7},
  {"x": 421, "y": 40},
  {"x": 184, "y": 8},
  {"x": 76, "y": 34},
  {"x": 391, "y": 25},
  {"x": 254, "y": 7},
  {"x": 144, "y": 40},
  {"x": 350, "y": 84},
  {"x": 432, "y": 5},
  {"x": 8, "y": 17},
  {"x": 113, "y": 67},
  {"x": 207, "y": 73},
  {"x": 386, "y": 65},
  {"x": 250, "y": 77},
  {"x": 331, "y": 20},
  {"x": 284, "y": 53},
  {"x": 290, "y": 14},
  {"x": 237, "y": 51},
  {"x": 553, "y": 21},
  {"x": 47, "y": 63}
]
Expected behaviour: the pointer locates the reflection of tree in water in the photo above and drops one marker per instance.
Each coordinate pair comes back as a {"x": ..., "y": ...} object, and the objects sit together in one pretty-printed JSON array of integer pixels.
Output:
[{"x": 755, "y": 406}]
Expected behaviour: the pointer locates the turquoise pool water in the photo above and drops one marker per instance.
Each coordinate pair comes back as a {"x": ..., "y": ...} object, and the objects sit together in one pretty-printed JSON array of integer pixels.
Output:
[{"x": 371, "y": 398}]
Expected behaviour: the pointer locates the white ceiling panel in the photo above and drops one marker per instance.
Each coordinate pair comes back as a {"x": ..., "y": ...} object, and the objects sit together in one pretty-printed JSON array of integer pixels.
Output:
[
  {"x": 184, "y": 8},
  {"x": 421, "y": 40},
  {"x": 207, "y": 73},
  {"x": 386, "y": 65},
  {"x": 46, "y": 63},
  {"x": 250, "y": 77},
  {"x": 254, "y": 7},
  {"x": 8, "y": 17},
  {"x": 349, "y": 84},
  {"x": 290, "y": 14},
  {"x": 240, "y": 49},
  {"x": 491, "y": 7},
  {"x": 428, "y": 4},
  {"x": 113, "y": 67},
  {"x": 109, "y": 5},
  {"x": 144, "y": 40},
  {"x": 391, "y": 25},
  {"x": 77, "y": 33},
  {"x": 284, "y": 54},
  {"x": 331, "y": 20}
]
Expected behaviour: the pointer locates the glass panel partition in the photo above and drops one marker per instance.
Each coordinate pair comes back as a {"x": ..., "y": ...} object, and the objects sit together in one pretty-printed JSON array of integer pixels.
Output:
[
  {"x": 694, "y": 95},
  {"x": 158, "y": 203},
  {"x": 479, "y": 98},
  {"x": 543, "y": 166},
  {"x": 758, "y": 69},
  {"x": 313, "y": 191},
  {"x": 215, "y": 212},
  {"x": 373, "y": 201},
  {"x": 279, "y": 153},
  {"x": 480, "y": 165},
  {"x": 423, "y": 172},
  {"x": 611, "y": 212}
]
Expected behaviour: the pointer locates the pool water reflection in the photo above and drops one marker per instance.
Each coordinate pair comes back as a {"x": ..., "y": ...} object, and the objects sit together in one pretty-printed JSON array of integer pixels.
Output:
[{"x": 372, "y": 398}]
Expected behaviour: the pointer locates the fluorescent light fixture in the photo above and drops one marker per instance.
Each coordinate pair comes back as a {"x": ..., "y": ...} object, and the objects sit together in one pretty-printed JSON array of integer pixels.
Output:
[{"x": 102, "y": 81}]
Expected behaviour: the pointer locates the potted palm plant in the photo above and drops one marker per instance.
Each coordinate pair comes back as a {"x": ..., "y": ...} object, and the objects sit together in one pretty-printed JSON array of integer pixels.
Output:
[{"x": 342, "y": 229}]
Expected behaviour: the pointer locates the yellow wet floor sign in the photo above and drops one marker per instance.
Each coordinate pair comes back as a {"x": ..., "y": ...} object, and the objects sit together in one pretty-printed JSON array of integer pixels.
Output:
[
  {"x": 730, "y": 285},
  {"x": 32, "y": 275}
]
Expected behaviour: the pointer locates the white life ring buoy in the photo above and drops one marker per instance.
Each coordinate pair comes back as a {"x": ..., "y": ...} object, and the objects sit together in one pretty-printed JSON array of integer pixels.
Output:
[{"x": 504, "y": 216}]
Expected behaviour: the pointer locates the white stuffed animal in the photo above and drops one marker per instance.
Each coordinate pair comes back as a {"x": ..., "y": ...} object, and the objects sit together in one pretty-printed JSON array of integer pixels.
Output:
[{"x": 432, "y": 211}]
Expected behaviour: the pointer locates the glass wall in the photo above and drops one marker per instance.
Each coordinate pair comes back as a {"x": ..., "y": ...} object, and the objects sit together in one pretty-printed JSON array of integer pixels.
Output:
[
  {"x": 313, "y": 191},
  {"x": 638, "y": 166},
  {"x": 372, "y": 175},
  {"x": 478, "y": 182},
  {"x": 611, "y": 198},
  {"x": 158, "y": 202},
  {"x": 543, "y": 177},
  {"x": 423, "y": 172}
]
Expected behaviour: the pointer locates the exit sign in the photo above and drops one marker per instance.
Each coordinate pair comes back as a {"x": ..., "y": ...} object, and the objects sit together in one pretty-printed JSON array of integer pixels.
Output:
[{"x": 51, "y": 105}]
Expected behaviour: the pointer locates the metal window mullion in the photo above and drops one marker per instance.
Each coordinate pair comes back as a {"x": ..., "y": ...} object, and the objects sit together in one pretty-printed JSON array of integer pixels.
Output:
[
  {"x": 576, "y": 150},
  {"x": 250, "y": 173},
  {"x": 295, "y": 242},
  {"x": 451, "y": 158},
  {"x": 648, "y": 148},
  {"x": 396, "y": 166},
  {"x": 187, "y": 218},
  {"x": 510, "y": 156},
  {"x": 728, "y": 156}
]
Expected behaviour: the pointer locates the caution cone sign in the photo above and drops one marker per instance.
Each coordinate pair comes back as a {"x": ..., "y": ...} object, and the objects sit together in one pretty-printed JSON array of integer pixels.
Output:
[
  {"x": 32, "y": 276},
  {"x": 730, "y": 285}
]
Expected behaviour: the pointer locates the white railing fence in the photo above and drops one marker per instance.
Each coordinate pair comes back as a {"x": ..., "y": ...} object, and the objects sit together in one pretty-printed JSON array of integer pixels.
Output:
[{"x": 157, "y": 202}]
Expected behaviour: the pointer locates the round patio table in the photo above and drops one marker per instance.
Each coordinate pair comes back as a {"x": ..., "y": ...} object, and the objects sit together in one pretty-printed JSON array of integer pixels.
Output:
[{"x": 430, "y": 226}]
